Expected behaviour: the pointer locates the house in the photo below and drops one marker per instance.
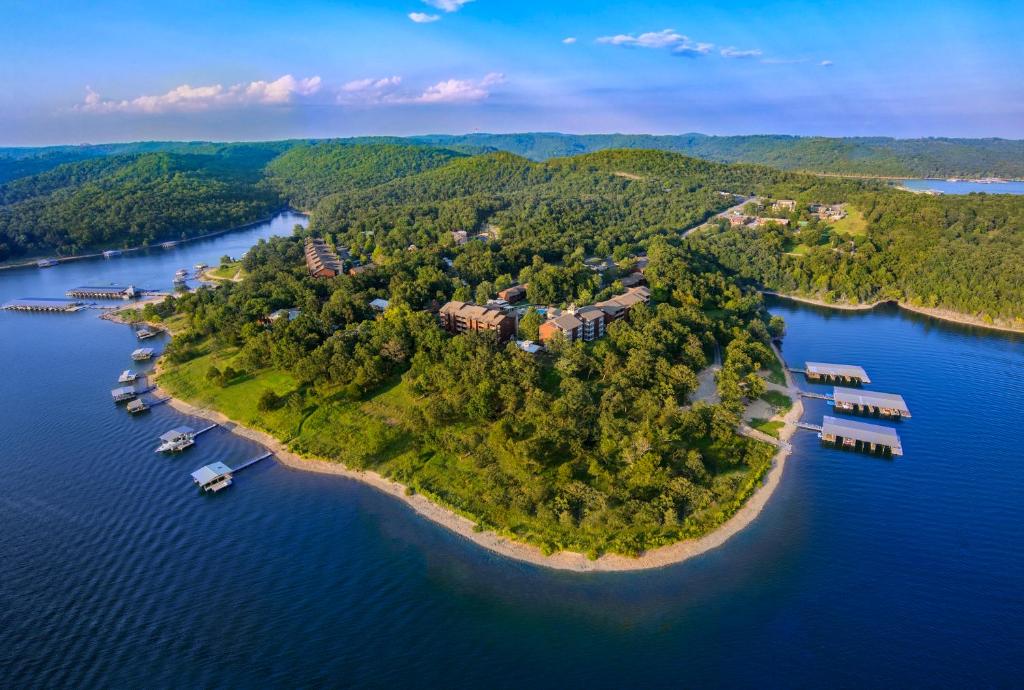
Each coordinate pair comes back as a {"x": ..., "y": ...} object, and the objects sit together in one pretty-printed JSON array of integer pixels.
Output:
[
  {"x": 460, "y": 236},
  {"x": 738, "y": 219},
  {"x": 321, "y": 261},
  {"x": 566, "y": 324},
  {"x": 290, "y": 314},
  {"x": 593, "y": 319},
  {"x": 379, "y": 304},
  {"x": 598, "y": 264},
  {"x": 632, "y": 280},
  {"x": 832, "y": 211},
  {"x": 761, "y": 222},
  {"x": 513, "y": 294},
  {"x": 459, "y": 317},
  {"x": 784, "y": 205}
]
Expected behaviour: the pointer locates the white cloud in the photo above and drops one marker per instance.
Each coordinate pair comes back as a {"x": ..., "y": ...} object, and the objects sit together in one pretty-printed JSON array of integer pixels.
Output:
[
  {"x": 447, "y": 5},
  {"x": 186, "y": 98},
  {"x": 386, "y": 91},
  {"x": 569, "y": 40},
  {"x": 423, "y": 17},
  {"x": 825, "y": 63},
  {"x": 732, "y": 52},
  {"x": 460, "y": 90},
  {"x": 667, "y": 39}
]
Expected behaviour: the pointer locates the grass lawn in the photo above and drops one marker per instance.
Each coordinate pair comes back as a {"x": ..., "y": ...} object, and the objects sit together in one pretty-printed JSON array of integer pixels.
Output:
[
  {"x": 852, "y": 224},
  {"x": 778, "y": 400},
  {"x": 775, "y": 373},
  {"x": 766, "y": 426},
  {"x": 226, "y": 271}
]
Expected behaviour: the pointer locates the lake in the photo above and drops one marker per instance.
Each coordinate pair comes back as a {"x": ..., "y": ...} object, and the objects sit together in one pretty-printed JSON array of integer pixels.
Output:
[
  {"x": 116, "y": 572},
  {"x": 965, "y": 186}
]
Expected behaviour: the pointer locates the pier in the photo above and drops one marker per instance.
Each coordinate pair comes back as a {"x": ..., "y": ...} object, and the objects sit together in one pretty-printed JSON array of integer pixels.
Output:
[
  {"x": 808, "y": 426},
  {"x": 41, "y": 304},
  {"x": 818, "y": 396}
]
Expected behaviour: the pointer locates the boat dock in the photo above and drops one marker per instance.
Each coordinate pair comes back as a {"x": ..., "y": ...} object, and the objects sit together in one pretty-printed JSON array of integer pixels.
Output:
[
  {"x": 822, "y": 372},
  {"x": 867, "y": 438},
  {"x": 217, "y": 475},
  {"x": 107, "y": 292},
  {"x": 870, "y": 403},
  {"x": 46, "y": 304}
]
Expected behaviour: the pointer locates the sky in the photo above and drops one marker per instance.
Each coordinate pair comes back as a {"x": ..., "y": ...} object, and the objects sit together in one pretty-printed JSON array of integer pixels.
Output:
[{"x": 76, "y": 72}]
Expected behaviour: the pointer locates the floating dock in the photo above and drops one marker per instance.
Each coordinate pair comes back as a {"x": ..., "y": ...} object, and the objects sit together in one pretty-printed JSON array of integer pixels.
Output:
[
  {"x": 142, "y": 354},
  {"x": 867, "y": 438},
  {"x": 124, "y": 393},
  {"x": 870, "y": 403},
  {"x": 217, "y": 475},
  {"x": 43, "y": 304},
  {"x": 136, "y": 406},
  {"x": 842, "y": 373},
  {"x": 108, "y": 292}
]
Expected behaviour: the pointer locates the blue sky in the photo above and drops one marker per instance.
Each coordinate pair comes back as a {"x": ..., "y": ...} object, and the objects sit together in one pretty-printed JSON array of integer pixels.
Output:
[{"x": 113, "y": 71}]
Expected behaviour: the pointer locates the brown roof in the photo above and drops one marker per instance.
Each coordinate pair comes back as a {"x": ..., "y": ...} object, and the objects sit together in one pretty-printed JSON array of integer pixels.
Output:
[
  {"x": 566, "y": 322},
  {"x": 474, "y": 311},
  {"x": 586, "y": 314}
]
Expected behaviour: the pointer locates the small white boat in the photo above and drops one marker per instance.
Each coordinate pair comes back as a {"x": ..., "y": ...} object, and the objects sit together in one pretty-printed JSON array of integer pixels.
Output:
[
  {"x": 46, "y": 263},
  {"x": 127, "y": 376},
  {"x": 111, "y": 253},
  {"x": 200, "y": 266},
  {"x": 176, "y": 440}
]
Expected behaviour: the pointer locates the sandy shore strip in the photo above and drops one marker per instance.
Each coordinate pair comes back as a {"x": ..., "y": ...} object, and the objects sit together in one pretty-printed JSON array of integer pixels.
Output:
[
  {"x": 562, "y": 560},
  {"x": 935, "y": 313}
]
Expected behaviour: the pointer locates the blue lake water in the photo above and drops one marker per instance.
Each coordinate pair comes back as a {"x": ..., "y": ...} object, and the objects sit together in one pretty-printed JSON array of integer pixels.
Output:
[
  {"x": 115, "y": 572},
  {"x": 965, "y": 186}
]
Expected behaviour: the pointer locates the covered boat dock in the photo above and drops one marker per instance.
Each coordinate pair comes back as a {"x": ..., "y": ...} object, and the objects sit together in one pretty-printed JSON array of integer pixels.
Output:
[
  {"x": 867, "y": 438},
  {"x": 844, "y": 373},
  {"x": 42, "y": 304},
  {"x": 108, "y": 292},
  {"x": 212, "y": 477},
  {"x": 870, "y": 403}
]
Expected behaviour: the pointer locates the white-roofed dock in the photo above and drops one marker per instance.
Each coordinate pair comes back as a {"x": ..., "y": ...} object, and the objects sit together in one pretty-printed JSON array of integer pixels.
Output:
[
  {"x": 870, "y": 403},
  {"x": 868, "y": 438},
  {"x": 213, "y": 477},
  {"x": 843, "y": 373}
]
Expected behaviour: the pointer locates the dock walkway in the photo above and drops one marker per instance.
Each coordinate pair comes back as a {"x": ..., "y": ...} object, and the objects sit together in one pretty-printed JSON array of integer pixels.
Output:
[{"x": 251, "y": 462}]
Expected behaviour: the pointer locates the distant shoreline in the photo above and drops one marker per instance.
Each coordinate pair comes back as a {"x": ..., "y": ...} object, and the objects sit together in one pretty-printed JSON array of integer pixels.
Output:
[
  {"x": 31, "y": 263},
  {"x": 935, "y": 313}
]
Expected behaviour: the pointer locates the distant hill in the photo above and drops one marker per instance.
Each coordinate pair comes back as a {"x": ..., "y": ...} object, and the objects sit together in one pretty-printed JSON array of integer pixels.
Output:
[{"x": 849, "y": 155}]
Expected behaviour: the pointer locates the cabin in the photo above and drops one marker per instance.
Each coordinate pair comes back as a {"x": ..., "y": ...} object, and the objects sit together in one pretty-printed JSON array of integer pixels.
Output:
[
  {"x": 379, "y": 304},
  {"x": 845, "y": 373},
  {"x": 142, "y": 354},
  {"x": 122, "y": 394},
  {"x": 866, "y": 438},
  {"x": 177, "y": 439},
  {"x": 212, "y": 477},
  {"x": 870, "y": 403}
]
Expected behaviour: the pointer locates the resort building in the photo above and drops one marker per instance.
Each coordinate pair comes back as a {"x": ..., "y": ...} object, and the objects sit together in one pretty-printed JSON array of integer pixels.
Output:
[
  {"x": 359, "y": 270},
  {"x": 738, "y": 219},
  {"x": 819, "y": 372},
  {"x": 567, "y": 324},
  {"x": 868, "y": 438},
  {"x": 593, "y": 319},
  {"x": 459, "y": 317},
  {"x": 321, "y": 261},
  {"x": 632, "y": 280},
  {"x": 784, "y": 205},
  {"x": 513, "y": 294},
  {"x": 870, "y": 403},
  {"x": 761, "y": 222},
  {"x": 618, "y": 306}
]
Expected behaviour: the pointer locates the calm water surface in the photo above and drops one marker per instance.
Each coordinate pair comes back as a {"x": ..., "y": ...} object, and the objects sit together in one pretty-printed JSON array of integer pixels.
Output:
[
  {"x": 114, "y": 571},
  {"x": 965, "y": 186}
]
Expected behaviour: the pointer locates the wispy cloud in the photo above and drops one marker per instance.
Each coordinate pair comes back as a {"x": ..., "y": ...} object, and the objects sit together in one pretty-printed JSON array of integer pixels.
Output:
[
  {"x": 448, "y": 5},
  {"x": 186, "y": 98},
  {"x": 569, "y": 40},
  {"x": 736, "y": 53},
  {"x": 825, "y": 63},
  {"x": 666, "y": 39},
  {"x": 387, "y": 91},
  {"x": 423, "y": 17}
]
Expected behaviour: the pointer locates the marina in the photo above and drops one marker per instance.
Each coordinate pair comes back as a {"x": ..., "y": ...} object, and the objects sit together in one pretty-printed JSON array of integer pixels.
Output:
[{"x": 868, "y": 438}]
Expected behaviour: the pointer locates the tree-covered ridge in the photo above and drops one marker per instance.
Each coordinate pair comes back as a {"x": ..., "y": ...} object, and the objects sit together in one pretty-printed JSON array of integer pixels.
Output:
[
  {"x": 307, "y": 173},
  {"x": 931, "y": 157},
  {"x": 131, "y": 200},
  {"x": 593, "y": 448},
  {"x": 960, "y": 253}
]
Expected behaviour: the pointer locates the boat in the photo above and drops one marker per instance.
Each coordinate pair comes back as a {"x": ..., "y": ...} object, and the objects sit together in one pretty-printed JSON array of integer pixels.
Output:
[
  {"x": 181, "y": 272},
  {"x": 200, "y": 266},
  {"x": 176, "y": 440},
  {"x": 127, "y": 376},
  {"x": 142, "y": 354},
  {"x": 111, "y": 253},
  {"x": 144, "y": 333},
  {"x": 46, "y": 263},
  {"x": 123, "y": 394},
  {"x": 136, "y": 406},
  {"x": 169, "y": 245}
]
